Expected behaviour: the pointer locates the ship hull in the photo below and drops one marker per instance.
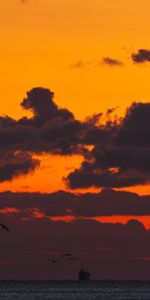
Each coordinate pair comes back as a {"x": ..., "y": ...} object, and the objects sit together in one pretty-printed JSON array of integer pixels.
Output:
[{"x": 84, "y": 276}]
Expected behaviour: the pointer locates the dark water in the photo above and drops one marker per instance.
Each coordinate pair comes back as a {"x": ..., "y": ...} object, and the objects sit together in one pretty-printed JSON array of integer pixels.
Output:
[{"x": 96, "y": 290}]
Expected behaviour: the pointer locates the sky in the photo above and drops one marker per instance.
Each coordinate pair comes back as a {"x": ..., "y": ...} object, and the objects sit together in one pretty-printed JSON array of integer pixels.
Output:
[{"x": 74, "y": 138}]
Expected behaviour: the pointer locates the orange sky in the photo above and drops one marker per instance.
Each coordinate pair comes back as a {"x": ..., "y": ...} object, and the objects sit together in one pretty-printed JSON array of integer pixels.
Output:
[{"x": 41, "y": 39}]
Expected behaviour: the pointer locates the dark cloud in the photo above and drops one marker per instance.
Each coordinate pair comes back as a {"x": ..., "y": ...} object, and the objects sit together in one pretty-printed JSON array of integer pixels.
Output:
[
  {"x": 63, "y": 204},
  {"x": 111, "y": 62},
  {"x": 142, "y": 56},
  {"x": 110, "y": 111},
  {"x": 49, "y": 130},
  {"x": 109, "y": 251},
  {"x": 135, "y": 127},
  {"x": 120, "y": 156},
  {"x": 62, "y": 137},
  {"x": 40, "y": 102},
  {"x": 15, "y": 164},
  {"x": 84, "y": 179}
]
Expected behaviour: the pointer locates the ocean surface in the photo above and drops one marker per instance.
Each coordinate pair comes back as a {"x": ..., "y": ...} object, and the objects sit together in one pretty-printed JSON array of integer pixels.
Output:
[{"x": 96, "y": 290}]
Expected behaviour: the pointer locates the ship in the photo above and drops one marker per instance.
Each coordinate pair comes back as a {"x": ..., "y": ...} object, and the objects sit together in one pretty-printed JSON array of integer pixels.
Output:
[{"x": 83, "y": 275}]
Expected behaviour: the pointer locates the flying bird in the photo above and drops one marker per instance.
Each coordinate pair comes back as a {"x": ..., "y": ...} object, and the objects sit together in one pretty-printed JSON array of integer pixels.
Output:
[
  {"x": 55, "y": 261},
  {"x": 72, "y": 258},
  {"x": 4, "y": 227},
  {"x": 66, "y": 255}
]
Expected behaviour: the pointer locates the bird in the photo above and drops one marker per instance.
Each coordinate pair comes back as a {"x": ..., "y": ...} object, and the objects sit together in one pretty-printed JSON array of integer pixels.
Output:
[
  {"x": 4, "y": 227},
  {"x": 73, "y": 258},
  {"x": 55, "y": 261},
  {"x": 66, "y": 255}
]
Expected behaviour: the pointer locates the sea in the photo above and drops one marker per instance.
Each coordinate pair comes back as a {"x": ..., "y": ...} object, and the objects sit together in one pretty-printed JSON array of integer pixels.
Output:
[{"x": 71, "y": 290}]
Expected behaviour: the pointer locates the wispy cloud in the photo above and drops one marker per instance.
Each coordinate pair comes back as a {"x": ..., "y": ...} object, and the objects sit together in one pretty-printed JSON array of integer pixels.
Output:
[
  {"x": 80, "y": 64},
  {"x": 112, "y": 62},
  {"x": 24, "y": 1}
]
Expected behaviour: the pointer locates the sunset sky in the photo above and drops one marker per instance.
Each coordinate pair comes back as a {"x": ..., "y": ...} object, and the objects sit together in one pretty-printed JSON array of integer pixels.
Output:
[{"x": 74, "y": 137}]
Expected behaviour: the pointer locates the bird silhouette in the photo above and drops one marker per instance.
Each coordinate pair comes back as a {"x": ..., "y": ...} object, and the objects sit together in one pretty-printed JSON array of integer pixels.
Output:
[
  {"x": 55, "y": 261},
  {"x": 66, "y": 255},
  {"x": 72, "y": 258},
  {"x": 4, "y": 227}
]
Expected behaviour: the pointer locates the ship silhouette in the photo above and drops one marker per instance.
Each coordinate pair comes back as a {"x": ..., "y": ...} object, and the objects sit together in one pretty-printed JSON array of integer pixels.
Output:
[{"x": 84, "y": 275}]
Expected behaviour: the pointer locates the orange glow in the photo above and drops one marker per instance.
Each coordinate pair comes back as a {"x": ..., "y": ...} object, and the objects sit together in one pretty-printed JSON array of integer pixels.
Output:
[
  {"x": 48, "y": 177},
  {"x": 123, "y": 219},
  {"x": 36, "y": 213},
  {"x": 9, "y": 210},
  {"x": 65, "y": 219},
  {"x": 106, "y": 219},
  {"x": 42, "y": 39}
]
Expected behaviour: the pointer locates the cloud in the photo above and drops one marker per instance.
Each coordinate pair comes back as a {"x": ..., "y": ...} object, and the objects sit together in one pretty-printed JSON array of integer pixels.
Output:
[
  {"x": 135, "y": 127},
  {"x": 15, "y": 164},
  {"x": 108, "y": 250},
  {"x": 24, "y": 1},
  {"x": 79, "y": 64},
  {"x": 142, "y": 56},
  {"x": 83, "y": 179},
  {"x": 117, "y": 156},
  {"x": 49, "y": 130},
  {"x": 64, "y": 204},
  {"x": 120, "y": 156},
  {"x": 40, "y": 102},
  {"x": 111, "y": 62},
  {"x": 119, "y": 150}
]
